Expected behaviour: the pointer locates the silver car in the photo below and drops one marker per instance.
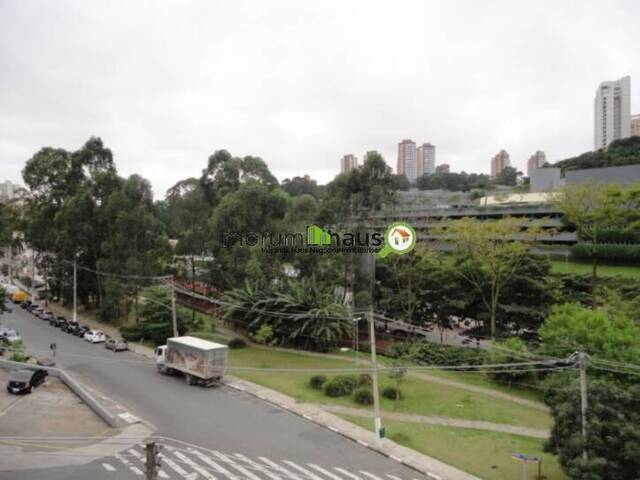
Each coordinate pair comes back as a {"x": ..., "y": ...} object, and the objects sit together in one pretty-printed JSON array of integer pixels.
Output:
[{"x": 116, "y": 344}]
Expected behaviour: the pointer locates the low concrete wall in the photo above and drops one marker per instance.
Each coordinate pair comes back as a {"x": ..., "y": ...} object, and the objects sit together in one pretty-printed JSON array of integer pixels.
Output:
[{"x": 73, "y": 385}]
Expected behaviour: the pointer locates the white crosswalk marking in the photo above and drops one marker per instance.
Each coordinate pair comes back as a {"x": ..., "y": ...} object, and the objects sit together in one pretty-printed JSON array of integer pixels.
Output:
[
  {"x": 173, "y": 465},
  {"x": 233, "y": 464},
  {"x": 138, "y": 455},
  {"x": 347, "y": 473},
  {"x": 279, "y": 468},
  {"x": 332, "y": 476},
  {"x": 162, "y": 474},
  {"x": 393, "y": 477},
  {"x": 108, "y": 467},
  {"x": 257, "y": 466},
  {"x": 136, "y": 470},
  {"x": 215, "y": 466},
  {"x": 308, "y": 473},
  {"x": 122, "y": 459},
  {"x": 370, "y": 475},
  {"x": 194, "y": 466}
]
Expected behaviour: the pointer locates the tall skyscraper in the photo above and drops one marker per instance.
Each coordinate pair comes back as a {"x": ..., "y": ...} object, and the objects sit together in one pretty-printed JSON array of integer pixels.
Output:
[
  {"x": 407, "y": 159},
  {"x": 535, "y": 161},
  {"x": 348, "y": 162},
  {"x": 499, "y": 162},
  {"x": 635, "y": 126},
  {"x": 426, "y": 159},
  {"x": 612, "y": 112}
]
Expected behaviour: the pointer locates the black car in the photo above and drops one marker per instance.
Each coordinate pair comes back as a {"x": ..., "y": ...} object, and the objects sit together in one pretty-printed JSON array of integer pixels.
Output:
[
  {"x": 57, "y": 322},
  {"x": 26, "y": 304},
  {"x": 68, "y": 326},
  {"x": 80, "y": 330},
  {"x": 23, "y": 381}
]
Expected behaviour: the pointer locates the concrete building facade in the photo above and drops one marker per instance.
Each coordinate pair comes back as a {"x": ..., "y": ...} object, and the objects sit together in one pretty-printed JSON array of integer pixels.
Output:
[
  {"x": 426, "y": 159},
  {"x": 499, "y": 162},
  {"x": 348, "y": 162},
  {"x": 635, "y": 125},
  {"x": 612, "y": 112},
  {"x": 407, "y": 159},
  {"x": 535, "y": 161}
]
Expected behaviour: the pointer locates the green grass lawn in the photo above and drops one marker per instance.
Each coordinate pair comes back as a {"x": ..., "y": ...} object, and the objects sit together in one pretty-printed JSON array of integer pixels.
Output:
[
  {"x": 629, "y": 271},
  {"x": 420, "y": 396},
  {"x": 484, "y": 454}
]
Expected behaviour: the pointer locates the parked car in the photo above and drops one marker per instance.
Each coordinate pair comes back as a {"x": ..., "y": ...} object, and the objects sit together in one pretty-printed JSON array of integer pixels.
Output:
[
  {"x": 47, "y": 316},
  {"x": 57, "y": 321},
  {"x": 80, "y": 330},
  {"x": 10, "y": 335},
  {"x": 69, "y": 326},
  {"x": 26, "y": 304},
  {"x": 95, "y": 336},
  {"x": 24, "y": 381},
  {"x": 116, "y": 344}
]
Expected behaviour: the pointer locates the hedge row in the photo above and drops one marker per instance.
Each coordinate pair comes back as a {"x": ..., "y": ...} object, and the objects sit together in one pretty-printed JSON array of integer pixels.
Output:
[
  {"x": 608, "y": 251},
  {"x": 436, "y": 354}
]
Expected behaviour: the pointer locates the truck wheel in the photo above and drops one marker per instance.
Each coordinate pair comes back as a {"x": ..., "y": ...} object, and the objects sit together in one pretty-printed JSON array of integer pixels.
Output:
[{"x": 190, "y": 379}]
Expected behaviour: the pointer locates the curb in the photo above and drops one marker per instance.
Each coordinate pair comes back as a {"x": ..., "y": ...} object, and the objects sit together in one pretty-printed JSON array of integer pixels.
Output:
[{"x": 371, "y": 446}]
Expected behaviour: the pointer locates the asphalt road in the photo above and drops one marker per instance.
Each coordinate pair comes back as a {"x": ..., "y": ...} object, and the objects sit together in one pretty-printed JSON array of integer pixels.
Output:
[{"x": 220, "y": 419}]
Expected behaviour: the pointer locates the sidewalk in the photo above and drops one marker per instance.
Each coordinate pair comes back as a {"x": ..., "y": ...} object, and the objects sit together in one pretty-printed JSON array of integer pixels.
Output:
[{"x": 432, "y": 468}]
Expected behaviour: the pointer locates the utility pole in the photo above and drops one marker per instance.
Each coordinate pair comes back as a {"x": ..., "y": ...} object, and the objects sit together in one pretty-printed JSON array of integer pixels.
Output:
[
  {"x": 372, "y": 340},
  {"x": 582, "y": 362},
  {"x": 75, "y": 288},
  {"x": 33, "y": 275},
  {"x": 173, "y": 307},
  {"x": 152, "y": 460}
]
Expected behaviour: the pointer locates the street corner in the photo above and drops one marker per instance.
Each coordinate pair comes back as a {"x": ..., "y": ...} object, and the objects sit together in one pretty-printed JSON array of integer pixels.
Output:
[{"x": 52, "y": 427}]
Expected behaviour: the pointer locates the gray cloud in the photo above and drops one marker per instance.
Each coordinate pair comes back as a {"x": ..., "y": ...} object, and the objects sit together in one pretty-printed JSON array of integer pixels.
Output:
[{"x": 165, "y": 83}]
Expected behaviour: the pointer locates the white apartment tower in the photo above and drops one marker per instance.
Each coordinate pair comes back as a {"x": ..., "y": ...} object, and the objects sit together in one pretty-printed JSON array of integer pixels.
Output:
[
  {"x": 426, "y": 159},
  {"x": 407, "y": 159},
  {"x": 612, "y": 112}
]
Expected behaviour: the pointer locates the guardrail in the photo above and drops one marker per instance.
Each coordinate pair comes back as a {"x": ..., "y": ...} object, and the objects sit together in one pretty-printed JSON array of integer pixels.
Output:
[{"x": 73, "y": 385}]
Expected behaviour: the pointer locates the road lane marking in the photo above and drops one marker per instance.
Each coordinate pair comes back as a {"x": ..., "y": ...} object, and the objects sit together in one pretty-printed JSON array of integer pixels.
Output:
[
  {"x": 257, "y": 466},
  {"x": 393, "y": 477},
  {"x": 347, "y": 473},
  {"x": 173, "y": 465},
  {"x": 136, "y": 470},
  {"x": 218, "y": 468},
  {"x": 122, "y": 459},
  {"x": 308, "y": 473},
  {"x": 280, "y": 468},
  {"x": 108, "y": 467},
  {"x": 327, "y": 473},
  {"x": 370, "y": 475},
  {"x": 205, "y": 473}
]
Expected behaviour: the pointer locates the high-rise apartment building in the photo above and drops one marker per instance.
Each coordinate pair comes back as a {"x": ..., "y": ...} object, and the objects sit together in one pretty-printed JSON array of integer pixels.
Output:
[
  {"x": 535, "y": 161},
  {"x": 348, "y": 162},
  {"x": 407, "y": 159},
  {"x": 426, "y": 159},
  {"x": 443, "y": 168},
  {"x": 635, "y": 126},
  {"x": 7, "y": 190},
  {"x": 499, "y": 162},
  {"x": 612, "y": 112}
]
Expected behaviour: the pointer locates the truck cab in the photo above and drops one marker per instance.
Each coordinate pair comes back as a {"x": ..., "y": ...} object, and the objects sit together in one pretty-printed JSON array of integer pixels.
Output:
[{"x": 161, "y": 356}]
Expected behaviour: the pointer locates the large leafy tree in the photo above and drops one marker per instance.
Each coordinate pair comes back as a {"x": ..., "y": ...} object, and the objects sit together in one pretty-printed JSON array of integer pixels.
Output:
[
  {"x": 613, "y": 429},
  {"x": 489, "y": 255}
]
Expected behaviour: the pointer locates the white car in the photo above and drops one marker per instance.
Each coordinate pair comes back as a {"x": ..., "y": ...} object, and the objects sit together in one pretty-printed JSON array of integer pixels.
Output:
[
  {"x": 10, "y": 335},
  {"x": 95, "y": 336}
]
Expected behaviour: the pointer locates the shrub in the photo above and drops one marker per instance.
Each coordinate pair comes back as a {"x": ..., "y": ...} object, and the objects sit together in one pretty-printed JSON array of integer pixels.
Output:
[
  {"x": 363, "y": 396},
  {"x": 340, "y": 386},
  {"x": 392, "y": 393},
  {"x": 264, "y": 334},
  {"x": 236, "y": 343},
  {"x": 317, "y": 381},
  {"x": 609, "y": 251},
  {"x": 427, "y": 353},
  {"x": 364, "y": 379}
]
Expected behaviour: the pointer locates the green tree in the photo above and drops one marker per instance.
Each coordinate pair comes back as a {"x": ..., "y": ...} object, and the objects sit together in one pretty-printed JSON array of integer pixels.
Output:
[
  {"x": 508, "y": 176},
  {"x": 301, "y": 186},
  {"x": 602, "y": 334},
  {"x": 613, "y": 429},
  {"x": 489, "y": 254}
]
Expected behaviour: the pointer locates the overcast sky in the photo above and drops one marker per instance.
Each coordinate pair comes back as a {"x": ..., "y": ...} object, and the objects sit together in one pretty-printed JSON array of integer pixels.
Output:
[{"x": 300, "y": 83}]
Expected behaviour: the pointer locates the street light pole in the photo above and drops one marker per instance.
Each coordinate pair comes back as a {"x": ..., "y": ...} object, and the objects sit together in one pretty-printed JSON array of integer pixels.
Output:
[
  {"x": 75, "y": 288},
  {"x": 374, "y": 373},
  {"x": 173, "y": 308},
  {"x": 582, "y": 358}
]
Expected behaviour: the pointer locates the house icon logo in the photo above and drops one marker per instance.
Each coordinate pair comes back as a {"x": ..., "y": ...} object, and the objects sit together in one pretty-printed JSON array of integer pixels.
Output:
[{"x": 400, "y": 238}]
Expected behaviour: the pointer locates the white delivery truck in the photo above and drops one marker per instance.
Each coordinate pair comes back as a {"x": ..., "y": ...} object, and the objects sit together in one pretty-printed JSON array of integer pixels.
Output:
[{"x": 200, "y": 361}]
